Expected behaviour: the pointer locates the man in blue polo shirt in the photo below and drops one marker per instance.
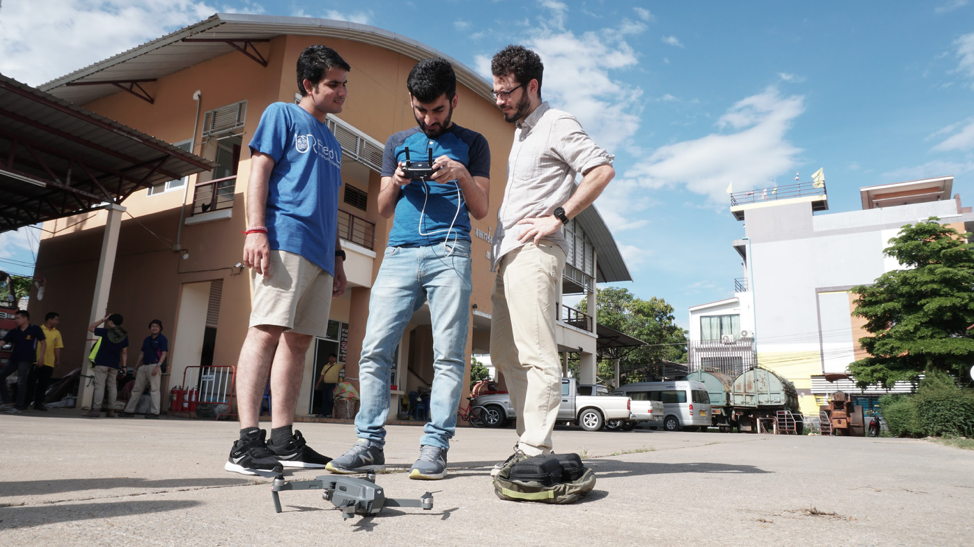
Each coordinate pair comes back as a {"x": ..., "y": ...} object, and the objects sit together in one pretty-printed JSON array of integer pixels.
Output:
[
  {"x": 112, "y": 355},
  {"x": 27, "y": 341},
  {"x": 153, "y": 354},
  {"x": 292, "y": 244},
  {"x": 427, "y": 259}
]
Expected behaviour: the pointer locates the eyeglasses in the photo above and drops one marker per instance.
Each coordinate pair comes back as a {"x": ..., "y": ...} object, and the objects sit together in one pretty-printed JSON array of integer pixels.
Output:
[{"x": 504, "y": 94}]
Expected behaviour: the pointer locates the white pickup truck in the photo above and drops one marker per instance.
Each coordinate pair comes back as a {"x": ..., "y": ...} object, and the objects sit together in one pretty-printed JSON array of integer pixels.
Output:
[
  {"x": 645, "y": 413},
  {"x": 586, "y": 405}
]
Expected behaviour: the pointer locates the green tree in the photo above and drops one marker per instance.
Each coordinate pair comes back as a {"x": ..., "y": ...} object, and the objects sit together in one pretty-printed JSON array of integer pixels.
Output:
[
  {"x": 651, "y": 321},
  {"x": 919, "y": 315},
  {"x": 21, "y": 286},
  {"x": 478, "y": 371}
]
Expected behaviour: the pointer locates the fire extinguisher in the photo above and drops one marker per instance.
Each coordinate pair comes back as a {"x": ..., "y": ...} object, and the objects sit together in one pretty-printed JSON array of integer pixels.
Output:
[
  {"x": 185, "y": 405},
  {"x": 176, "y": 400},
  {"x": 192, "y": 400}
]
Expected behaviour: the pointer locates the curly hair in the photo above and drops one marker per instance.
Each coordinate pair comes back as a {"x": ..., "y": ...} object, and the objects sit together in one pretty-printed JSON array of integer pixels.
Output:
[
  {"x": 430, "y": 79},
  {"x": 314, "y": 62},
  {"x": 525, "y": 64}
]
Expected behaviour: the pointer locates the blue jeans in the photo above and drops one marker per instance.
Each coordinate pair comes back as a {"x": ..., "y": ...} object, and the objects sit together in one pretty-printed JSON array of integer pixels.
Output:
[{"x": 408, "y": 277}]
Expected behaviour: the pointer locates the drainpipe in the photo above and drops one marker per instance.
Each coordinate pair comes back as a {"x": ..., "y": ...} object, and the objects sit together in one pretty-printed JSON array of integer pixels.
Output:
[
  {"x": 192, "y": 150},
  {"x": 754, "y": 306}
]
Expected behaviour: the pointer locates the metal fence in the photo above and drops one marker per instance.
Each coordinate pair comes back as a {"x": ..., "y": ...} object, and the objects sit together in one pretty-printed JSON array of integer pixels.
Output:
[
  {"x": 732, "y": 358},
  {"x": 356, "y": 229}
]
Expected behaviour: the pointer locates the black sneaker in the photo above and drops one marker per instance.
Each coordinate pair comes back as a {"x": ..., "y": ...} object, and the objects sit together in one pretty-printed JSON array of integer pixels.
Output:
[
  {"x": 511, "y": 460},
  {"x": 42, "y": 408},
  {"x": 251, "y": 457},
  {"x": 125, "y": 415},
  {"x": 297, "y": 453},
  {"x": 150, "y": 416}
]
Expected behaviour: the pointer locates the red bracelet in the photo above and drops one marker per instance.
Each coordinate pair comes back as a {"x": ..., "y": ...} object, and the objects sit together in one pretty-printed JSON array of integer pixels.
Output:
[{"x": 257, "y": 230}]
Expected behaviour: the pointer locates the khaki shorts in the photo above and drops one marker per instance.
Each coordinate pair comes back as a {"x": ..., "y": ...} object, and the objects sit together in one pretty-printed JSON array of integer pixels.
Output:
[{"x": 296, "y": 296}]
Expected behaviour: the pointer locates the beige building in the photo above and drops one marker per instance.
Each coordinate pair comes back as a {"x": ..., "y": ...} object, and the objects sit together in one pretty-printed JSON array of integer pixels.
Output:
[{"x": 204, "y": 88}]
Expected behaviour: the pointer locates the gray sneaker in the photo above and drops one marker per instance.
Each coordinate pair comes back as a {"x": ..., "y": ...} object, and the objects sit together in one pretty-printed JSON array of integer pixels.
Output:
[
  {"x": 431, "y": 464},
  {"x": 513, "y": 459},
  {"x": 363, "y": 457}
]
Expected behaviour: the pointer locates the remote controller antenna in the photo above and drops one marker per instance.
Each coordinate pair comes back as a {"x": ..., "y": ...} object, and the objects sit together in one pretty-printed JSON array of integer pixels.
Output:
[{"x": 407, "y": 153}]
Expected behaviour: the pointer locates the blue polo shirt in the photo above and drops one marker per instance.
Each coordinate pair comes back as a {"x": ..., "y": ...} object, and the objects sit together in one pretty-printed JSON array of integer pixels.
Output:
[
  {"x": 152, "y": 349},
  {"x": 425, "y": 210},
  {"x": 109, "y": 353},
  {"x": 25, "y": 343},
  {"x": 302, "y": 196}
]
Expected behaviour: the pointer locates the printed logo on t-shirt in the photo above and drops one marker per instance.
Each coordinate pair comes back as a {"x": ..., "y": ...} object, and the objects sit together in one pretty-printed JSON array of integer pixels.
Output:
[{"x": 304, "y": 143}]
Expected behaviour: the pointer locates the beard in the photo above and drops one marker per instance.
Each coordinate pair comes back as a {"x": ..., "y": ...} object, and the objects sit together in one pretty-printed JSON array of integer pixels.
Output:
[
  {"x": 521, "y": 111},
  {"x": 438, "y": 129}
]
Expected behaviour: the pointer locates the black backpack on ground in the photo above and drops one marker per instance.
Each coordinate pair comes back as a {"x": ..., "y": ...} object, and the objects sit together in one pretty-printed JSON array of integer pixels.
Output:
[{"x": 552, "y": 478}]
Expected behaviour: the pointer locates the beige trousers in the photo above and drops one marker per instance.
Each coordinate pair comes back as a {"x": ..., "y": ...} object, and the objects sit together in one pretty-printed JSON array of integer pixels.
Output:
[
  {"x": 105, "y": 378},
  {"x": 522, "y": 339},
  {"x": 144, "y": 376}
]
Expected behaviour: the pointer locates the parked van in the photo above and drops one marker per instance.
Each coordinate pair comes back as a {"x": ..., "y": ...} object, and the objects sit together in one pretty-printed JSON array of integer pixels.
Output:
[{"x": 686, "y": 404}]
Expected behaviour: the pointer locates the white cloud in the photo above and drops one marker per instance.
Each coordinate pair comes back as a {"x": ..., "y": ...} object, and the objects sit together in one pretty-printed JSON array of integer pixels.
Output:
[
  {"x": 249, "y": 7},
  {"x": 13, "y": 242},
  {"x": 965, "y": 52},
  {"x": 672, "y": 41},
  {"x": 634, "y": 256},
  {"x": 644, "y": 14},
  {"x": 40, "y": 41},
  {"x": 559, "y": 12},
  {"x": 754, "y": 150},
  {"x": 936, "y": 168},
  {"x": 959, "y": 141},
  {"x": 628, "y": 26},
  {"x": 854, "y": 166},
  {"x": 791, "y": 78},
  {"x": 461, "y": 25},
  {"x": 360, "y": 17},
  {"x": 951, "y": 5}
]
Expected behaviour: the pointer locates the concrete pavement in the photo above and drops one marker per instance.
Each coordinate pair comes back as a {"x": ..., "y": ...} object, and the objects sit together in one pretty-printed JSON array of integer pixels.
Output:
[{"x": 66, "y": 480}]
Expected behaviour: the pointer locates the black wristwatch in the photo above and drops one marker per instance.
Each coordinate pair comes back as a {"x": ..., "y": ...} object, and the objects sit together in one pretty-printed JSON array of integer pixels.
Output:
[
  {"x": 340, "y": 253},
  {"x": 560, "y": 215}
]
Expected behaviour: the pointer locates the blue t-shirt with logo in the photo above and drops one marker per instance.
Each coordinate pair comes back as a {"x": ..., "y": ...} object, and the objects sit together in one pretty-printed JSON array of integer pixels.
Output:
[
  {"x": 302, "y": 197},
  {"x": 440, "y": 200},
  {"x": 109, "y": 353}
]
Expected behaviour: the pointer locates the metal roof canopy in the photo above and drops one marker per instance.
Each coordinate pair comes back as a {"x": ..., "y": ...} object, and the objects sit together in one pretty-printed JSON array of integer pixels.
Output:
[
  {"x": 58, "y": 159},
  {"x": 224, "y": 33}
]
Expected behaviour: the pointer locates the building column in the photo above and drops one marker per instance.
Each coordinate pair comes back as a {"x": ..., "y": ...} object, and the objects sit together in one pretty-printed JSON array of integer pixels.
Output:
[
  {"x": 99, "y": 304},
  {"x": 618, "y": 379},
  {"x": 586, "y": 368},
  {"x": 564, "y": 364},
  {"x": 592, "y": 299}
]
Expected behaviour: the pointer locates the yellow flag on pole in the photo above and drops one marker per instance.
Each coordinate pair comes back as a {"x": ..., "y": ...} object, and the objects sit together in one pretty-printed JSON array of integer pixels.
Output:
[{"x": 818, "y": 178}]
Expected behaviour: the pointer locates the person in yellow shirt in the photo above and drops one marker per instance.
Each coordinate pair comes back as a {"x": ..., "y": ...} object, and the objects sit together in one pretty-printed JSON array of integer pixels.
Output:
[
  {"x": 40, "y": 375},
  {"x": 327, "y": 381}
]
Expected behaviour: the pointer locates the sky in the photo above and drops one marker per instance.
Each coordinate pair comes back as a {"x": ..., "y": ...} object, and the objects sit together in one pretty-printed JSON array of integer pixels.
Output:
[{"x": 690, "y": 97}]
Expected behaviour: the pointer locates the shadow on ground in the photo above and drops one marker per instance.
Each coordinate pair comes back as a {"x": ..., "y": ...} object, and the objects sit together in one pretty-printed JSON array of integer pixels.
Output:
[
  {"x": 608, "y": 468},
  {"x": 43, "y": 515},
  {"x": 58, "y": 486}
]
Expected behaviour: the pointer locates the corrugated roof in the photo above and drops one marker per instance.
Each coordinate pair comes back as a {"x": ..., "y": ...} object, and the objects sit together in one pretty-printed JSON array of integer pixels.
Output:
[
  {"x": 170, "y": 54},
  {"x": 52, "y": 149}
]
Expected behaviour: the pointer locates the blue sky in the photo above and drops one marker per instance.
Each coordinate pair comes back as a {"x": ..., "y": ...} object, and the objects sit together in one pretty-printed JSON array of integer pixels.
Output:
[{"x": 689, "y": 96}]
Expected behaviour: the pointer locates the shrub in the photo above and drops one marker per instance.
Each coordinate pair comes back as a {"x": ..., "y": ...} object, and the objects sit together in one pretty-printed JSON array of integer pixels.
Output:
[
  {"x": 942, "y": 408},
  {"x": 900, "y": 413}
]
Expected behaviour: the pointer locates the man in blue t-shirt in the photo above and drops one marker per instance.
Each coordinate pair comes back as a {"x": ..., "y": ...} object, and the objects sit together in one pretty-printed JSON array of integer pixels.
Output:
[
  {"x": 112, "y": 355},
  {"x": 148, "y": 370},
  {"x": 26, "y": 339},
  {"x": 292, "y": 245},
  {"x": 427, "y": 259}
]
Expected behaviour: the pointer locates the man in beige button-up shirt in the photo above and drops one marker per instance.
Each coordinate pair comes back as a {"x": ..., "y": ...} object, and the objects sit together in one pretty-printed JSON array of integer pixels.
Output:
[{"x": 550, "y": 148}]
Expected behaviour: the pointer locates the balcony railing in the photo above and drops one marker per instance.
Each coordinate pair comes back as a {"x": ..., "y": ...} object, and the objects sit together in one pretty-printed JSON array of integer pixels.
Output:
[
  {"x": 214, "y": 195},
  {"x": 575, "y": 318},
  {"x": 784, "y": 191},
  {"x": 740, "y": 284},
  {"x": 356, "y": 229}
]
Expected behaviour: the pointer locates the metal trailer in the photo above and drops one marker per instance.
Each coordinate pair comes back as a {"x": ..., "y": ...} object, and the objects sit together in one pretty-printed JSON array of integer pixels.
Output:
[
  {"x": 762, "y": 400},
  {"x": 718, "y": 387}
]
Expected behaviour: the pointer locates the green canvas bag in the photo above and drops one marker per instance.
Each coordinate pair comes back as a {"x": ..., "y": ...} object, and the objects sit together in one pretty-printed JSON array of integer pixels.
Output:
[{"x": 562, "y": 492}]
